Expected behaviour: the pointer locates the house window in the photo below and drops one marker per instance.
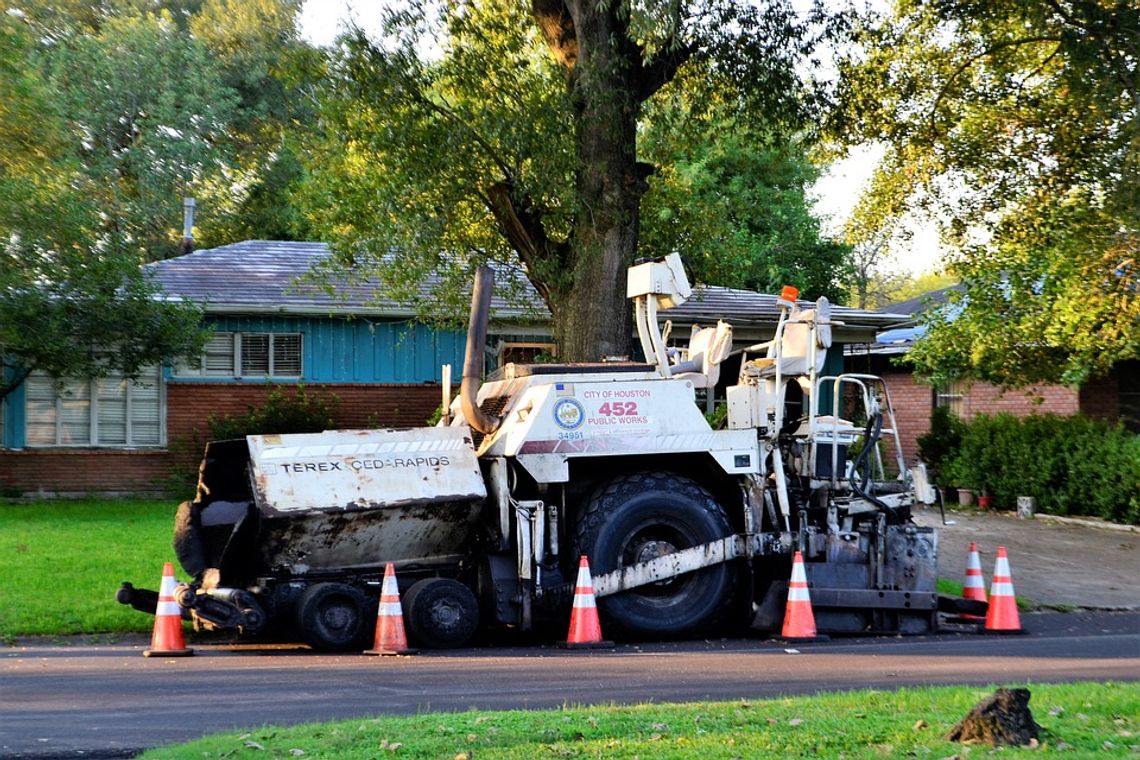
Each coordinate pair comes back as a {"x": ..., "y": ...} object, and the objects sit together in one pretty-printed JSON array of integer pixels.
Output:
[
  {"x": 524, "y": 353},
  {"x": 108, "y": 411},
  {"x": 952, "y": 395},
  {"x": 248, "y": 355}
]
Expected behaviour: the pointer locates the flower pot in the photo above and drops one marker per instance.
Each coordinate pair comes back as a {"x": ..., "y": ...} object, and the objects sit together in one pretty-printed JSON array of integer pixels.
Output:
[
  {"x": 965, "y": 496},
  {"x": 985, "y": 501}
]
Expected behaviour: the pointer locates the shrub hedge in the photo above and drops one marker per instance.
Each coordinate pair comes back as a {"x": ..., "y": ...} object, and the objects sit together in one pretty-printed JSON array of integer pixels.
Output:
[{"x": 1071, "y": 465}]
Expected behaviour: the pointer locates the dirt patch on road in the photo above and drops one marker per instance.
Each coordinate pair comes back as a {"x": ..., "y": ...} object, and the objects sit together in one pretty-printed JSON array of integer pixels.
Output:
[{"x": 1053, "y": 564}]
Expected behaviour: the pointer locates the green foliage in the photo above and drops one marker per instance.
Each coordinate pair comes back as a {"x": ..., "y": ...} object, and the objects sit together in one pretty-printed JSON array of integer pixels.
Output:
[
  {"x": 517, "y": 143},
  {"x": 150, "y": 102},
  {"x": 1090, "y": 719},
  {"x": 941, "y": 442},
  {"x": 1015, "y": 123},
  {"x": 61, "y": 561},
  {"x": 73, "y": 301},
  {"x": 733, "y": 199},
  {"x": 298, "y": 412},
  {"x": 149, "y": 116},
  {"x": 718, "y": 416},
  {"x": 1071, "y": 465}
]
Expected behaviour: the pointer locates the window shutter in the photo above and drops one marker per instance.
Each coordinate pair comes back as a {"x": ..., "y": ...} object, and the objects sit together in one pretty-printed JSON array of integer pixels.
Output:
[
  {"x": 219, "y": 355},
  {"x": 254, "y": 354},
  {"x": 146, "y": 411},
  {"x": 75, "y": 413},
  {"x": 287, "y": 355},
  {"x": 39, "y": 395},
  {"x": 111, "y": 402}
]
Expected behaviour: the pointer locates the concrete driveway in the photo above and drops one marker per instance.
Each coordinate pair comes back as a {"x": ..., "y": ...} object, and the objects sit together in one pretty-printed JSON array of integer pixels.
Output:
[{"x": 1065, "y": 564}]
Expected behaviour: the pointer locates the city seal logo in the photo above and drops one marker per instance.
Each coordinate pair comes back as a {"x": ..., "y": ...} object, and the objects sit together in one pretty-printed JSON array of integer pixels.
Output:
[{"x": 568, "y": 413}]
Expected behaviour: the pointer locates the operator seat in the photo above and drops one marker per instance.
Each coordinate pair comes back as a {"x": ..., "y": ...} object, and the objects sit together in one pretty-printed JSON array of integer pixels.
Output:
[{"x": 708, "y": 347}]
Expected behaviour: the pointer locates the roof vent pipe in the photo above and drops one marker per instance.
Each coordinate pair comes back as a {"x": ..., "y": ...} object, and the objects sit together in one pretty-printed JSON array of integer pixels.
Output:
[
  {"x": 187, "y": 225},
  {"x": 473, "y": 358}
]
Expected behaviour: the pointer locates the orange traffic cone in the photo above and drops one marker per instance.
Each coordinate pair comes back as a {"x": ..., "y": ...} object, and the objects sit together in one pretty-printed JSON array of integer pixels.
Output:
[
  {"x": 1002, "y": 615},
  {"x": 390, "y": 637},
  {"x": 585, "y": 627},
  {"x": 975, "y": 586},
  {"x": 167, "y": 638},
  {"x": 799, "y": 621}
]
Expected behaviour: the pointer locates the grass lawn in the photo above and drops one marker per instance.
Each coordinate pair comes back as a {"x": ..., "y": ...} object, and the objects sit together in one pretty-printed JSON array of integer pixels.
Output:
[
  {"x": 1078, "y": 720},
  {"x": 61, "y": 561}
]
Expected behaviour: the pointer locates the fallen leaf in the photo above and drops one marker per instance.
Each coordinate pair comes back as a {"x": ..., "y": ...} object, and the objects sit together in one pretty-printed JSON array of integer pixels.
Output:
[
  {"x": 254, "y": 745},
  {"x": 919, "y": 725},
  {"x": 472, "y": 737},
  {"x": 795, "y": 721},
  {"x": 660, "y": 726},
  {"x": 772, "y": 721},
  {"x": 654, "y": 737},
  {"x": 1082, "y": 716},
  {"x": 1056, "y": 711},
  {"x": 482, "y": 719},
  {"x": 296, "y": 752},
  {"x": 465, "y": 756}
]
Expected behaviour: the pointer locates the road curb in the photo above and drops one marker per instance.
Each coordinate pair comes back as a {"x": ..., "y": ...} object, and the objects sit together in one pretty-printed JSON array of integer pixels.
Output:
[{"x": 1088, "y": 523}]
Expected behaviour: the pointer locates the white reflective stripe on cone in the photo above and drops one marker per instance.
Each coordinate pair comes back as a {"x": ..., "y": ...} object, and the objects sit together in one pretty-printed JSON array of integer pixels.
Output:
[
  {"x": 797, "y": 593},
  {"x": 168, "y": 607},
  {"x": 167, "y": 587},
  {"x": 390, "y": 609},
  {"x": 584, "y": 600},
  {"x": 1001, "y": 589}
]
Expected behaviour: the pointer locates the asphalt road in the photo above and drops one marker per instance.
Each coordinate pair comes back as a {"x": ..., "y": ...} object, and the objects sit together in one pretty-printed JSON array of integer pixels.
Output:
[{"x": 110, "y": 701}]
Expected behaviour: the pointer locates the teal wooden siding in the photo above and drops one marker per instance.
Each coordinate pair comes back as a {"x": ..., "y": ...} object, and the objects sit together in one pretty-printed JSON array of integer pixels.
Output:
[
  {"x": 360, "y": 350},
  {"x": 13, "y": 417}
]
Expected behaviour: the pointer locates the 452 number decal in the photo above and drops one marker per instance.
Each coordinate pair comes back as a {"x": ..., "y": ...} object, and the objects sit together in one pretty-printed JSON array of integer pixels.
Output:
[{"x": 618, "y": 409}]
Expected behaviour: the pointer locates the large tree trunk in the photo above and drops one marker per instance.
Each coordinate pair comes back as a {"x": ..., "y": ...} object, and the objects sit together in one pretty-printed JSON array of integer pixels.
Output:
[{"x": 592, "y": 318}]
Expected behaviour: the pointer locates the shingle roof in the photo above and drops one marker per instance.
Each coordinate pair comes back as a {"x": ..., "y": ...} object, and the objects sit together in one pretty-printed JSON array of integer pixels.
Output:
[{"x": 261, "y": 276}]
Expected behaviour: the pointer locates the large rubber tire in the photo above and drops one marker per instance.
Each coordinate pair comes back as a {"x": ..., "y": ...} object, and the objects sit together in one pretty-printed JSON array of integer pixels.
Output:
[
  {"x": 441, "y": 613},
  {"x": 635, "y": 518},
  {"x": 332, "y": 617}
]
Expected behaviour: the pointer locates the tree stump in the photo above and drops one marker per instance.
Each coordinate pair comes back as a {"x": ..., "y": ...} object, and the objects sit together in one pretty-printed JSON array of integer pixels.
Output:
[{"x": 1001, "y": 718}]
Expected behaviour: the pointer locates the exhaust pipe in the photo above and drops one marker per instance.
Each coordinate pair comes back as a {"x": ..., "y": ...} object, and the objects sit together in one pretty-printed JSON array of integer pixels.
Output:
[{"x": 473, "y": 358}]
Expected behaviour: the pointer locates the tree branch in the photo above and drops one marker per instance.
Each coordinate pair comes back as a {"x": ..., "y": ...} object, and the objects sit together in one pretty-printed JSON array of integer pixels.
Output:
[
  {"x": 526, "y": 234},
  {"x": 973, "y": 59},
  {"x": 557, "y": 26},
  {"x": 661, "y": 70}
]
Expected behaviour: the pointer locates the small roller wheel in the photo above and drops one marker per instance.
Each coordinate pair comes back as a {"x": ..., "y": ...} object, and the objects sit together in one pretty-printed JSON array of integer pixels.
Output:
[
  {"x": 441, "y": 613},
  {"x": 332, "y": 617}
]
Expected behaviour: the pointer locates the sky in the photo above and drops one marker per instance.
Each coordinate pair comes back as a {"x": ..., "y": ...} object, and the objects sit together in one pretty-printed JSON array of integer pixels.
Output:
[{"x": 836, "y": 191}]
